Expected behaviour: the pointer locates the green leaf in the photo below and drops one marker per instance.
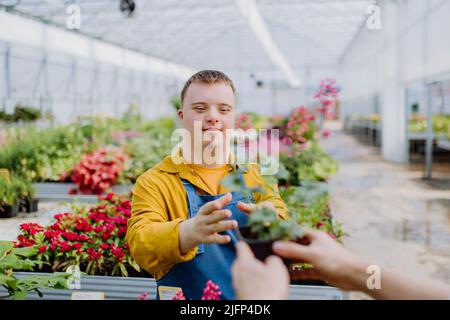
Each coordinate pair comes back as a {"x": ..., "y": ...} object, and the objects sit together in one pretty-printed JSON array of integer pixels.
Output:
[
  {"x": 123, "y": 269},
  {"x": 39, "y": 293},
  {"x": 20, "y": 295},
  {"x": 5, "y": 246},
  {"x": 7, "y": 280},
  {"x": 134, "y": 264},
  {"x": 25, "y": 251}
]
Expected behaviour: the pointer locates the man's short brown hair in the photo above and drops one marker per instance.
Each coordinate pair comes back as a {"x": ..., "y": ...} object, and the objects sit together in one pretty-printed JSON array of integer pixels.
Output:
[{"x": 208, "y": 77}]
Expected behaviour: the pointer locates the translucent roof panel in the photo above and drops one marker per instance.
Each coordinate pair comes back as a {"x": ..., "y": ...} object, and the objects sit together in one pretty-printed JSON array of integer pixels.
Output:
[{"x": 214, "y": 33}]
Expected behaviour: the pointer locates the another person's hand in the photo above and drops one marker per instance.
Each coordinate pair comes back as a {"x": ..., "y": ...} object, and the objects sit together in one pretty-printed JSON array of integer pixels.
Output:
[
  {"x": 249, "y": 207},
  {"x": 332, "y": 262},
  {"x": 206, "y": 225},
  {"x": 253, "y": 279},
  {"x": 337, "y": 266}
]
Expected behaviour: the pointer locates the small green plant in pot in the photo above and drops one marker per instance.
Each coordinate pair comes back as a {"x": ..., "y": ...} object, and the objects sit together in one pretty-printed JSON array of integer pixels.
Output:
[
  {"x": 264, "y": 228},
  {"x": 26, "y": 193},
  {"x": 8, "y": 198}
]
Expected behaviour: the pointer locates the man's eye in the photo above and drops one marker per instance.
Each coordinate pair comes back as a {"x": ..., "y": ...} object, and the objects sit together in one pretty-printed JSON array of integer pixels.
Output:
[
  {"x": 200, "y": 109},
  {"x": 224, "y": 109}
]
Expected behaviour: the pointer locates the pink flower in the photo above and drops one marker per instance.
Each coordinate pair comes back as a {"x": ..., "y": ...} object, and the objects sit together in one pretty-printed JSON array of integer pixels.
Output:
[
  {"x": 326, "y": 133},
  {"x": 211, "y": 291},
  {"x": 179, "y": 296},
  {"x": 144, "y": 296}
]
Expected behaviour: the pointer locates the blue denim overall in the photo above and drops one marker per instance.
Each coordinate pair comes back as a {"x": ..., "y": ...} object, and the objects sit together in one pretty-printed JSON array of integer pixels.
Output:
[{"x": 212, "y": 261}]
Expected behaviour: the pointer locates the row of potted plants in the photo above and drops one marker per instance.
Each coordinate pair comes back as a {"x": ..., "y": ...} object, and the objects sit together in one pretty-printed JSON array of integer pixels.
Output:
[
  {"x": 22, "y": 113},
  {"x": 54, "y": 154}
]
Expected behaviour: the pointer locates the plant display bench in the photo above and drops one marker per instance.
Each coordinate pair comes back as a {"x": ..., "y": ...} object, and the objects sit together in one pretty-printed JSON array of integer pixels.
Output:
[
  {"x": 59, "y": 191},
  {"x": 129, "y": 288}
]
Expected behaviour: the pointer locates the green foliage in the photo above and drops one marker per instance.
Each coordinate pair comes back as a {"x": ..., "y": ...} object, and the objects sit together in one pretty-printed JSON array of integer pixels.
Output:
[
  {"x": 233, "y": 182},
  {"x": 419, "y": 123},
  {"x": 44, "y": 154},
  {"x": 148, "y": 149},
  {"x": 312, "y": 164},
  {"x": 258, "y": 121},
  {"x": 21, "y": 113},
  {"x": 14, "y": 188},
  {"x": 8, "y": 193},
  {"x": 176, "y": 102},
  {"x": 308, "y": 205},
  {"x": 18, "y": 259},
  {"x": 24, "y": 188},
  {"x": 51, "y": 154},
  {"x": 265, "y": 225}
]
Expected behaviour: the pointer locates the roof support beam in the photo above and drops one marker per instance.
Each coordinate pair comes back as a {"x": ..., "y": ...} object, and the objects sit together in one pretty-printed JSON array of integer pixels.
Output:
[{"x": 250, "y": 12}]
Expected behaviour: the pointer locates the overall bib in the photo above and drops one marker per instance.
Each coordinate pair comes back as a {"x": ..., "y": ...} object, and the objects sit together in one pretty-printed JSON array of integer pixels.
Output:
[{"x": 212, "y": 261}]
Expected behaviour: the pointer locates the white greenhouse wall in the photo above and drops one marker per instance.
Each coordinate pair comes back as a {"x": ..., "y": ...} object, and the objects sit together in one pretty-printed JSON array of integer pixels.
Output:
[
  {"x": 412, "y": 47},
  {"x": 72, "y": 75}
]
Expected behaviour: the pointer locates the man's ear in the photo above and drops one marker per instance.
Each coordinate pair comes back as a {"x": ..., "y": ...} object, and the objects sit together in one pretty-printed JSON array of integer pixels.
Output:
[{"x": 180, "y": 114}]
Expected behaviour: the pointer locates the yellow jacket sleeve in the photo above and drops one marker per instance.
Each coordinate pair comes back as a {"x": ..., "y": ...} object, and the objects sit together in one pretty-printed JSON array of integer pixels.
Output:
[{"x": 152, "y": 237}]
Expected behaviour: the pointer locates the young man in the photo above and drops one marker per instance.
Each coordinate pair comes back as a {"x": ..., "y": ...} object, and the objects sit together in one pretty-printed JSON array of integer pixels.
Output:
[{"x": 182, "y": 228}]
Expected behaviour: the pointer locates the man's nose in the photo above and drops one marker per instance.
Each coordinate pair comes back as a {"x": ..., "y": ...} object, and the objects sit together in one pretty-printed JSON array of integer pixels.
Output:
[{"x": 212, "y": 117}]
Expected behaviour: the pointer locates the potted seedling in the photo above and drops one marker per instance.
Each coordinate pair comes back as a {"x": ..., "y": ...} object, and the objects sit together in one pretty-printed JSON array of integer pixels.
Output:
[
  {"x": 264, "y": 228},
  {"x": 27, "y": 192},
  {"x": 8, "y": 199}
]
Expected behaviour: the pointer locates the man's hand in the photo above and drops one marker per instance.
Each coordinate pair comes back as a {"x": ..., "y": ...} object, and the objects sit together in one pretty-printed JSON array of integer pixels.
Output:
[
  {"x": 206, "y": 225},
  {"x": 249, "y": 207},
  {"x": 253, "y": 279}
]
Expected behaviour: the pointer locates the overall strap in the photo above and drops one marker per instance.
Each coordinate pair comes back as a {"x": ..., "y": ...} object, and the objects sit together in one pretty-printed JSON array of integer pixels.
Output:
[
  {"x": 192, "y": 197},
  {"x": 241, "y": 177}
]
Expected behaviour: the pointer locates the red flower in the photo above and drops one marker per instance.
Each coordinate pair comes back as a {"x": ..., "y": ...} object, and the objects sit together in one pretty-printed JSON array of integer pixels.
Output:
[
  {"x": 42, "y": 248},
  {"x": 99, "y": 170},
  {"x": 65, "y": 246},
  {"x": 122, "y": 232},
  {"x": 117, "y": 253},
  {"x": 106, "y": 235},
  {"x": 83, "y": 237},
  {"x": 93, "y": 254},
  {"x": 31, "y": 228}
]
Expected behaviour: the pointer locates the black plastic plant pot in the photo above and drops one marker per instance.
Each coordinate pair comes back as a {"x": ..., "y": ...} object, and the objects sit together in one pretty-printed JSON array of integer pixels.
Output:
[
  {"x": 7, "y": 211},
  {"x": 309, "y": 282},
  {"x": 261, "y": 248},
  {"x": 31, "y": 206},
  {"x": 27, "y": 205}
]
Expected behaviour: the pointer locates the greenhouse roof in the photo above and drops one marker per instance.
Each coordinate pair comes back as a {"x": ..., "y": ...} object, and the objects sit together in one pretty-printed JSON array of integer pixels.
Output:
[{"x": 240, "y": 35}]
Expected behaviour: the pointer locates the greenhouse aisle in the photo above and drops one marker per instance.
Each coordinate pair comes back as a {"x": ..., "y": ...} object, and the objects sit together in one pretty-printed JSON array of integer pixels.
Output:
[
  {"x": 392, "y": 217},
  {"x": 10, "y": 228}
]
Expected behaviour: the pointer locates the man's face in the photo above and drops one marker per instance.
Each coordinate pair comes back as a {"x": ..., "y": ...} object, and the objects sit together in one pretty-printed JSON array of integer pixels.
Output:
[{"x": 212, "y": 105}]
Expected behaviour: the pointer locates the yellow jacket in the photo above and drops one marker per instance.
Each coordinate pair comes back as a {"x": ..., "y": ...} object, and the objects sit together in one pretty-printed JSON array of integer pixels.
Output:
[{"x": 159, "y": 205}]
